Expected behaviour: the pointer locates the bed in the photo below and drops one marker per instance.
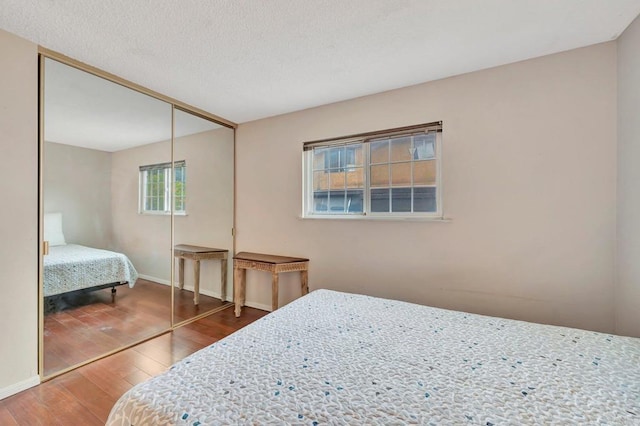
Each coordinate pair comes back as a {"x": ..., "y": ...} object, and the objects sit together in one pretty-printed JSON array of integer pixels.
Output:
[
  {"x": 73, "y": 267},
  {"x": 337, "y": 358},
  {"x": 70, "y": 268}
]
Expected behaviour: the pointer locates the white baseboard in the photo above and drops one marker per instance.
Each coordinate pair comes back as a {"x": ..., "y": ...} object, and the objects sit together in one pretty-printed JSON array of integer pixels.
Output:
[
  {"x": 19, "y": 387},
  {"x": 186, "y": 287},
  {"x": 260, "y": 306},
  {"x": 154, "y": 279}
]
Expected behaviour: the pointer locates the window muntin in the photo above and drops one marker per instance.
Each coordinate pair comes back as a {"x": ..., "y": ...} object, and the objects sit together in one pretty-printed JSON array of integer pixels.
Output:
[
  {"x": 155, "y": 188},
  {"x": 393, "y": 174},
  {"x": 403, "y": 174},
  {"x": 338, "y": 179}
]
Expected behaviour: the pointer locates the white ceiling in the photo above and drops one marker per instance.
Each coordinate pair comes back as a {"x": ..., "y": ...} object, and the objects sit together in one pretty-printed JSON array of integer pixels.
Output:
[
  {"x": 84, "y": 110},
  {"x": 248, "y": 59}
]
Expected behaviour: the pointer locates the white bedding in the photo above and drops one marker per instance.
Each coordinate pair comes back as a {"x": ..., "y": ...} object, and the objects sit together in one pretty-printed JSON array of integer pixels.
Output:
[
  {"x": 74, "y": 267},
  {"x": 335, "y": 358}
]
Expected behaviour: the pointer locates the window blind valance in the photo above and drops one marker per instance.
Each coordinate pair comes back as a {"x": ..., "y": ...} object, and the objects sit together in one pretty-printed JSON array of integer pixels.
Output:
[
  {"x": 371, "y": 136},
  {"x": 161, "y": 166}
]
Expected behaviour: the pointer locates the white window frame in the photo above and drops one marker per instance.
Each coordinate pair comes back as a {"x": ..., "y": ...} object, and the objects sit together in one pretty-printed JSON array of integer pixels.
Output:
[
  {"x": 169, "y": 188},
  {"x": 365, "y": 139}
]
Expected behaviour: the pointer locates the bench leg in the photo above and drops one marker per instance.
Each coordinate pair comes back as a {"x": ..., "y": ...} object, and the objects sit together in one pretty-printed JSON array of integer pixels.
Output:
[
  {"x": 223, "y": 278},
  {"x": 181, "y": 272},
  {"x": 196, "y": 285},
  {"x": 274, "y": 291},
  {"x": 239, "y": 276},
  {"x": 304, "y": 282}
]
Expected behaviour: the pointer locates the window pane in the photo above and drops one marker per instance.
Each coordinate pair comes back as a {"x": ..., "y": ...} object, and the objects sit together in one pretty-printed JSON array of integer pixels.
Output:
[
  {"x": 320, "y": 180},
  {"x": 401, "y": 200},
  {"x": 401, "y": 149},
  {"x": 424, "y": 200},
  {"x": 380, "y": 200},
  {"x": 179, "y": 189},
  {"x": 379, "y": 151},
  {"x": 354, "y": 156},
  {"x": 355, "y": 201},
  {"x": 424, "y": 146},
  {"x": 318, "y": 158},
  {"x": 320, "y": 201},
  {"x": 337, "y": 201},
  {"x": 401, "y": 174},
  {"x": 336, "y": 179},
  {"x": 355, "y": 178},
  {"x": 380, "y": 175},
  {"x": 424, "y": 172},
  {"x": 334, "y": 158}
]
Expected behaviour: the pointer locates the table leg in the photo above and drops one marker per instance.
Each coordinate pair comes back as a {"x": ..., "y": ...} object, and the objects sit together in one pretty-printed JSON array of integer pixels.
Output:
[
  {"x": 304, "y": 282},
  {"x": 223, "y": 278},
  {"x": 274, "y": 291},
  {"x": 243, "y": 289},
  {"x": 181, "y": 272},
  {"x": 238, "y": 289},
  {"x": 196, "y": 285}
]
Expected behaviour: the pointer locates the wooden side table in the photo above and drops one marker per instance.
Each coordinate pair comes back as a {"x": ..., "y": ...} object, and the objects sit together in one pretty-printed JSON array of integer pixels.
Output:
[
  {"x": 197, "y": 253},
  {"x": 268, "y": 263}
]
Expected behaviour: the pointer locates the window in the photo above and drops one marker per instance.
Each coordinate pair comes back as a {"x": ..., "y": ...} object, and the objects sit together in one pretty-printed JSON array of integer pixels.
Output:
[
  {"x": 155, "y": 188},
  {"x": 393, "y": 173}
]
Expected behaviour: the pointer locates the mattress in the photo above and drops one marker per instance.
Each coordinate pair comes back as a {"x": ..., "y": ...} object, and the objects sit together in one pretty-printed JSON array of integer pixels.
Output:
[
  {"x": 74, "y": 267},
  {"x": 336, "y": 358}
]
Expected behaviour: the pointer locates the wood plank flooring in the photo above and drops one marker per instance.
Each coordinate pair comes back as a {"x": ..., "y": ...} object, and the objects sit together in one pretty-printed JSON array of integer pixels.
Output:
[
  {"x": 85, "y": 326},
  {"x": 85, "y": 396}
]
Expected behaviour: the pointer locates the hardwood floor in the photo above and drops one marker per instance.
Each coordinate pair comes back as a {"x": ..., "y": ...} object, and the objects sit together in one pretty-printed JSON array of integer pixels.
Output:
[
  {"x": 81, "y": 327},
  {"x": 85, "y": 396}
]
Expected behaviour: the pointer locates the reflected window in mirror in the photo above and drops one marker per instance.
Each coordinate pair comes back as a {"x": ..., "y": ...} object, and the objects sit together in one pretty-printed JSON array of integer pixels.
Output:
[{"x": 156, "y": 195}]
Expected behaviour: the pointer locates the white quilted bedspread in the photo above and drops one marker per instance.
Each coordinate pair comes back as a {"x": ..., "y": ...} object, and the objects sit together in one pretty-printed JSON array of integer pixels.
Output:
[
  {"x": 335, "y": 358},
  {"x": 74, "y": 267}
]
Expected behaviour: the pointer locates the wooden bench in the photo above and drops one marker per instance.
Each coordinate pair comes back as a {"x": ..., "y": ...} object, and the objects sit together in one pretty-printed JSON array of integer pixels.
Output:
[
  {"x": 268, "y": 263},
  {"x": 197, "y": 253}
]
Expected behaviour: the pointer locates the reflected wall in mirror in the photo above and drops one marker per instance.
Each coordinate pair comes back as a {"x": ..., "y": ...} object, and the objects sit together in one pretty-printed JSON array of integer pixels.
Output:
[
  {"x": 203, "y": 220},
  {"x": 106, "y": 279}
]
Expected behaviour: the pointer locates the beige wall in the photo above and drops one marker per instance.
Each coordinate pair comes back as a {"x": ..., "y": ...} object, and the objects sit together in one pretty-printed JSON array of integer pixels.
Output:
[
  {"x": 146, "y": 239},
  {"x": 19, "y": 215},
  {"x": 77, "y": 183},
  {"x": 529, "y": 184},
  {"x": 628, "y": 257}
]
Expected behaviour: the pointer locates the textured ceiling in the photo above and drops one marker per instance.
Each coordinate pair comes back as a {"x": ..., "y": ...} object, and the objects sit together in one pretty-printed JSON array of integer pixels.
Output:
[{"x": 248, "y": 59}]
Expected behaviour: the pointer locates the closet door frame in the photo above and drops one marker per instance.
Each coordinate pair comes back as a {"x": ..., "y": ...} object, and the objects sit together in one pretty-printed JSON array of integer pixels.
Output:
[{"x": 44, "y": 53}]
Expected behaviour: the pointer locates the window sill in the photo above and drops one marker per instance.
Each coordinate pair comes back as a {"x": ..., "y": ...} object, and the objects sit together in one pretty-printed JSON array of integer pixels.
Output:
[
  {"x": 378, "y": 218},
  {"x": 163, "y": 214}
]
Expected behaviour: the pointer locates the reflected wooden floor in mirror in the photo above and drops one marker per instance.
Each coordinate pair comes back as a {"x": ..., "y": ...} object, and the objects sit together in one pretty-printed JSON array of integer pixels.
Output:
[
  {"x": 83, "y": 326},
  {"x": 85, "y": 396}
]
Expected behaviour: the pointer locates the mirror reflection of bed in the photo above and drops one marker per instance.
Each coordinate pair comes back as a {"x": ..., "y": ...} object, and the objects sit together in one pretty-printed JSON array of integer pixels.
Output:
[{"x": 108, "y": 181}]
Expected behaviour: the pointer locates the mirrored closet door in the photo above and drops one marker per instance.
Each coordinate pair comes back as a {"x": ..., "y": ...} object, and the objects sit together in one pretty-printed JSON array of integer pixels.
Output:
[
  {"x": 112, "y": 197},
  {"x": 203, "y": 218}
]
